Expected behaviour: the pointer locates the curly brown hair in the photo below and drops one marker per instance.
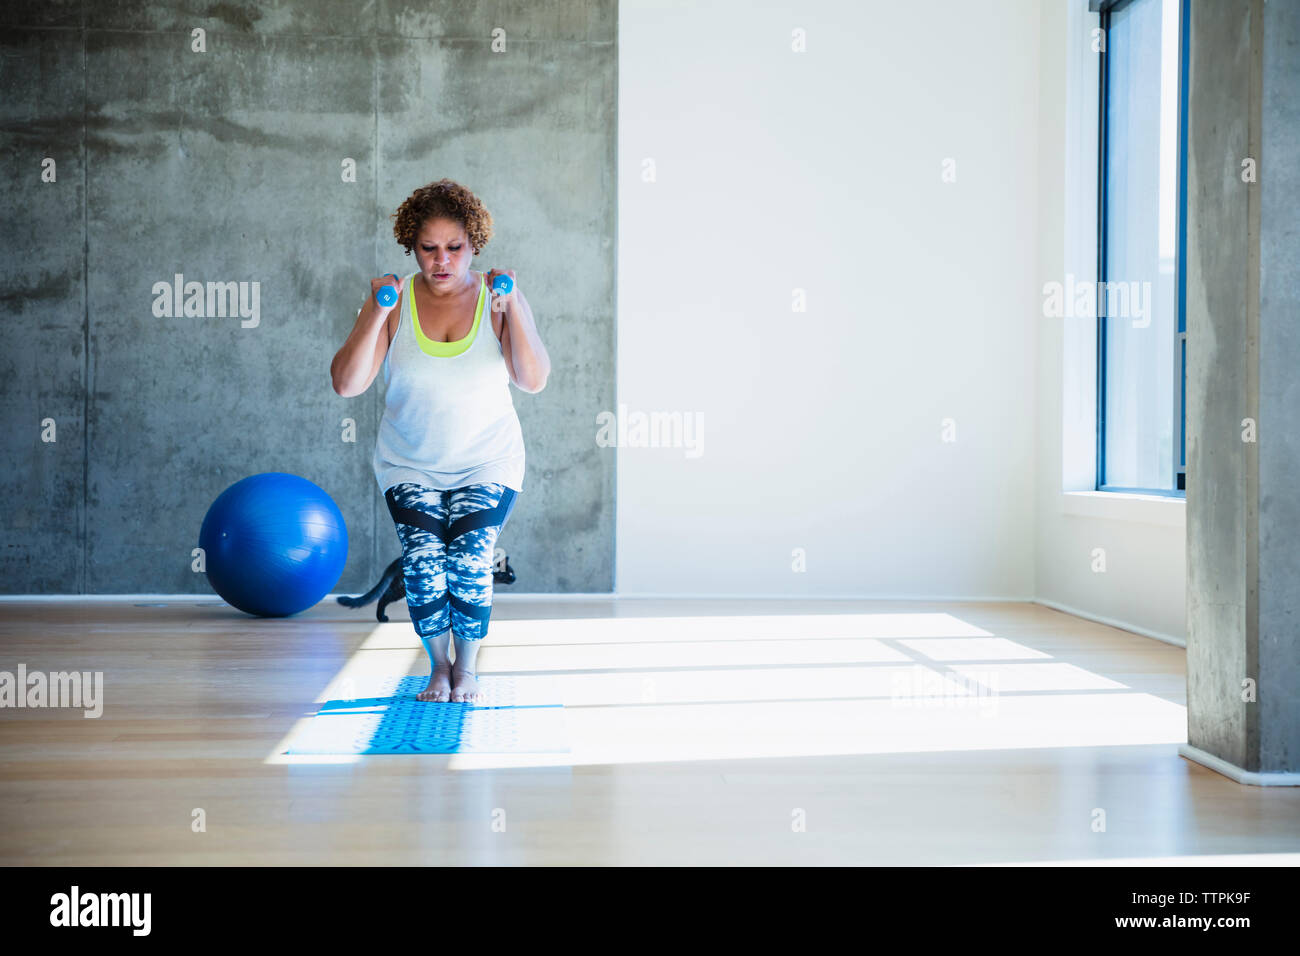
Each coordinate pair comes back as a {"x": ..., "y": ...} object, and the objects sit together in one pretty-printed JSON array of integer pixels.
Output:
[{"x": 444, "y": 198}]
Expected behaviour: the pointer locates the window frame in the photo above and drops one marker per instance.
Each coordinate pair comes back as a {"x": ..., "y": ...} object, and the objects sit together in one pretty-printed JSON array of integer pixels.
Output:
[{"x": 1178, "y": 448}]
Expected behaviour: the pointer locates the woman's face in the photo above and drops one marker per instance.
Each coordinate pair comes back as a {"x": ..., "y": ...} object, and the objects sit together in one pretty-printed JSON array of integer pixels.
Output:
[{"x": 444, "y": 254}]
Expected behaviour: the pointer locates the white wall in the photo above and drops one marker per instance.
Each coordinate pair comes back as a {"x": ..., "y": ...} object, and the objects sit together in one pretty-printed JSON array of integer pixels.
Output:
[
  {"x": 821, "y": 171},
  {"x": 1143, "y": 586}
]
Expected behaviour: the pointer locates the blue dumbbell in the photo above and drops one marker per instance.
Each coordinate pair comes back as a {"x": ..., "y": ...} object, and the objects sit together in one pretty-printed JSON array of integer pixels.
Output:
[
  {"x": 502, "y": 285},
  {"x": 387, "y": 294}
]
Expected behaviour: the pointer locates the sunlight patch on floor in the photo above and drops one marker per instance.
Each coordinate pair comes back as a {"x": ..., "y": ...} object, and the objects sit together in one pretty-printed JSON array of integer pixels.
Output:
[
  {"x": 388, "y": 649},
  {"x": 659, "y": 689}
]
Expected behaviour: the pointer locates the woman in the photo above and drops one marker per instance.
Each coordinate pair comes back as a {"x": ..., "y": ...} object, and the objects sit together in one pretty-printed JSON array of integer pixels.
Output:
[{"x": 449, "y": 458}]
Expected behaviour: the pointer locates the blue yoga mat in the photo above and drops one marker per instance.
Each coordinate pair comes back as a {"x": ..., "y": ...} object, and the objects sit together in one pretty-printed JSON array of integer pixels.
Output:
[{"x": 514, "y": 717}]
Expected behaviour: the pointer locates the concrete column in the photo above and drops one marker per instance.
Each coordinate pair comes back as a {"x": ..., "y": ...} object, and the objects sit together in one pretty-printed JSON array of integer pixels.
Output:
[{"x": 1243, "y": 391}]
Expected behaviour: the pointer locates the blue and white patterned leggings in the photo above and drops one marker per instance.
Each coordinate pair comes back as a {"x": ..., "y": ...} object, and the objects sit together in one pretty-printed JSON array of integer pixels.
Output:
[{"x": 448, "y": 539}]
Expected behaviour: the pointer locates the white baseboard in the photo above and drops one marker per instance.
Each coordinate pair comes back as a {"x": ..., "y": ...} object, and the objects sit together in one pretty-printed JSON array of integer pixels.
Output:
[
  {"x": 557, "y": 596},
  {"x": 1122, "y": 625},
  {"x": 1233, "y": 772}
]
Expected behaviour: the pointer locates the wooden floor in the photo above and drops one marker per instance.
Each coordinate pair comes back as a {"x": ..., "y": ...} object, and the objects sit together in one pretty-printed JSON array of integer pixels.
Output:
[{"x": 701, "y": 732}]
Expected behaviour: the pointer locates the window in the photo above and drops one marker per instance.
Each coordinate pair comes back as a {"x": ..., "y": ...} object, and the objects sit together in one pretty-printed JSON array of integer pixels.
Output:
[{"x": 1141, "y": 327}]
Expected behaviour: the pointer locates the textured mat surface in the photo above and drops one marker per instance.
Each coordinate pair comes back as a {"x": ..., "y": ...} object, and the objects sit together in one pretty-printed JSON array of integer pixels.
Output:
[{"x": 517, "y": 715}]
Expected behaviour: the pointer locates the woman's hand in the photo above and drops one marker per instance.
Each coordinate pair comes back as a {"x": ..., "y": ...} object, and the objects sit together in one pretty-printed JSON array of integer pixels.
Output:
[
  {"x": 502, "y": 302},
  {"x": 377, "y": 284}
]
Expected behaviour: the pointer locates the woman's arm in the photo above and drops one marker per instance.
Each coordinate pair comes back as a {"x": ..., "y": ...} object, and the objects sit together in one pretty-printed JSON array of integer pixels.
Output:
[
  {"x": 522, "y": 345},
  {"x": 358, "y": 361}
]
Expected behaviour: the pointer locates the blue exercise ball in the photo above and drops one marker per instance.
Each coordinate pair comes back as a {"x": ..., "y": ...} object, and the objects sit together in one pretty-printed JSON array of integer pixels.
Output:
[{"x": 274, "y": 544}]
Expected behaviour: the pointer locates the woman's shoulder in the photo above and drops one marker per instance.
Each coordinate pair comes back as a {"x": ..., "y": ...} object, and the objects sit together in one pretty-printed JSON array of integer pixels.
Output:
[
  {"x": 498, "y": 318},
  {"x": 394, "y": 318}
]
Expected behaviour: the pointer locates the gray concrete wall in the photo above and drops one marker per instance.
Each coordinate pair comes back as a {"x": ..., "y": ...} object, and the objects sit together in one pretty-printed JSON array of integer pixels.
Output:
[
  {"x": 1219, "y": 521},
  {"x": 1243, "y": 511},
  {"x": 227, "y": 166},
  {"x": 1279, "y": 389}
]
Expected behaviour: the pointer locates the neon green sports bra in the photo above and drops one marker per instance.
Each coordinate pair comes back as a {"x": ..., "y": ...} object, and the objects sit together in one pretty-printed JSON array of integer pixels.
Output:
[{"x": 446, "y": 349}]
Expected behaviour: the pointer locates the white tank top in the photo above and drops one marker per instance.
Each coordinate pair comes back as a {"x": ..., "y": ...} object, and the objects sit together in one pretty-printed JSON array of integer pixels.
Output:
[{"x": 449, "y": 420}]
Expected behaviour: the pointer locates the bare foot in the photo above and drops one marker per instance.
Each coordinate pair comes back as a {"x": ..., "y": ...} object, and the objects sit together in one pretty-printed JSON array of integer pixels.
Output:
[
  {"x": 439, "y": 685},
  {"x": 465, "y": 687}
]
